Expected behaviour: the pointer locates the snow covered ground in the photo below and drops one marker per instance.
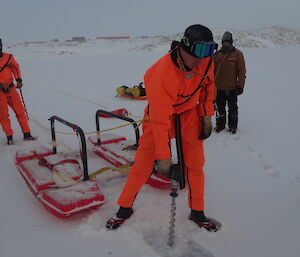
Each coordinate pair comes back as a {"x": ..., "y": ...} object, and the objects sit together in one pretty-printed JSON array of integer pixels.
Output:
[{"x": 252, "y": 178}]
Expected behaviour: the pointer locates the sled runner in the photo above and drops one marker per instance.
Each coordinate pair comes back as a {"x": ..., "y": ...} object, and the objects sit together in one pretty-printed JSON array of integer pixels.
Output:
[
  {"x": 118, "y": 150},
  {"x": 57, "y": 182}
]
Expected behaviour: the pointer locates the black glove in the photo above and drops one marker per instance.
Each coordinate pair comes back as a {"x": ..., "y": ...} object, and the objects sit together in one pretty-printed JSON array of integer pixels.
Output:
[
  {"x": 206, "y": 127},
  {"x": 239, "y": 91},
  {"x": 19, "y": 83}
]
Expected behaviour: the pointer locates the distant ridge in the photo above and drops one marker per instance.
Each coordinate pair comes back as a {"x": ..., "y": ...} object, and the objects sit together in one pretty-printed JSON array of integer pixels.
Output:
[{"x": 270, "y": 37}]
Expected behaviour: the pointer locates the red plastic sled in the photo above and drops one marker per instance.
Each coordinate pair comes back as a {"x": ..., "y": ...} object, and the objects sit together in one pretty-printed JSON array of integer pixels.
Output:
[
  {"x": 61, "y": 201},
  {"x": 121, "y": 112},
  {"x": 159, "y": 181},
  {"x": 112, "y": 148},
  {"x": 133, "y": 97},
  {"x": 111, "y": 151}
]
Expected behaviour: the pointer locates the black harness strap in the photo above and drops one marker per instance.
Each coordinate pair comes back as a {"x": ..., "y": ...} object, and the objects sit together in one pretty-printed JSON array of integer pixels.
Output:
[
  {"x": 6, "y": 64},
  {"x": 199, "y": 86}
]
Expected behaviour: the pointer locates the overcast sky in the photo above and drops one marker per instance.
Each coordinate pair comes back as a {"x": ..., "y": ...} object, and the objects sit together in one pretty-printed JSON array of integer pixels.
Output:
[{"x": 31, "y": 20}]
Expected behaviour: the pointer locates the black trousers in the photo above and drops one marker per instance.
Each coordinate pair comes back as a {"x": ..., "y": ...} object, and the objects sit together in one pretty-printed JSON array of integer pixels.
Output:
[{"x": 229, "y": 98}]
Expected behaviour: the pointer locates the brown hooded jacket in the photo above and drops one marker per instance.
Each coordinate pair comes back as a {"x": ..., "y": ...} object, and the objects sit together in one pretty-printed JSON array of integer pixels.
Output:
[{"x": 230, "y": 70}]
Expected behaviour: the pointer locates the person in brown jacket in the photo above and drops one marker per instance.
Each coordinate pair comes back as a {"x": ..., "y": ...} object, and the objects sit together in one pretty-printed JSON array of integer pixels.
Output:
[{"x": 230, "y": 74}]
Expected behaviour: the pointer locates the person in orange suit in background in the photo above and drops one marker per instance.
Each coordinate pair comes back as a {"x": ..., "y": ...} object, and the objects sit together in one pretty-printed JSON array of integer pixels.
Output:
[
  {"x": 9, "y": 96},
  {"x": 181, "y": 82}
]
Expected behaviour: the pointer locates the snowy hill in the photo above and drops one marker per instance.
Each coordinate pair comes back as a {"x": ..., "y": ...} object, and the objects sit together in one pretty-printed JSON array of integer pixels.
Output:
[
  {"x": 267, "y": 37},
  {"x": 259, "y": 38}
]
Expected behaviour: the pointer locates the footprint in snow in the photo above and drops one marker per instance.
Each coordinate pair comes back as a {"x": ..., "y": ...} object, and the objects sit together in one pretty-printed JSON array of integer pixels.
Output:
[{"x": 262, "y": 160}]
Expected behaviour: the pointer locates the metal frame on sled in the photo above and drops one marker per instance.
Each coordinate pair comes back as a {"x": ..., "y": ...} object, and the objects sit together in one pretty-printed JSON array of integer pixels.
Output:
[
  {"x": 62, "y": 201},
  {"x": 110, "y": 147}
]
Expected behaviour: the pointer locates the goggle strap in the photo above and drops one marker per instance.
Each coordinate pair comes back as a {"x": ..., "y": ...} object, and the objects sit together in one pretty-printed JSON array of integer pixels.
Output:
[
  {"x": 193, "y": 48},
  {"x": 210, "y": 49}
]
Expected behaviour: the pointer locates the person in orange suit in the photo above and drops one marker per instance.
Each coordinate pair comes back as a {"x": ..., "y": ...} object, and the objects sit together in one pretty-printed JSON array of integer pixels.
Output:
[
  {"x": 9, "y": 96},
  {"x": 181, "y": 82}
]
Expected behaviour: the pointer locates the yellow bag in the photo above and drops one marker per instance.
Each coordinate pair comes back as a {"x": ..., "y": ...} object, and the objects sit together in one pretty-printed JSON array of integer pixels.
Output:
[
  {"x": 128, "y": 91},
  {"x": 121, "y": 90},
  {"x": 135, "y": 92}
]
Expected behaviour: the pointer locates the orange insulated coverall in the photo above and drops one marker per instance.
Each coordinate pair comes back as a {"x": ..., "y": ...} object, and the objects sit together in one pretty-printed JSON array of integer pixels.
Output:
[
  {"x": 167, "y": 87},
  {"x": 9, "y": 70}
]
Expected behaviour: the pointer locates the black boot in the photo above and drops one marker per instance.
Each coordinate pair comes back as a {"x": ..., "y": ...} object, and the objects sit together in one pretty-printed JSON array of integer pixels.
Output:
[
  {"x": 10, "y": 140},
  {"x": 118, "y": 219},
  {"x": 203, "y": 222},
  {"x": 219, "y": 129},
  {"x": 28, "y": 137},
  {"x": 232, "y": 131}
]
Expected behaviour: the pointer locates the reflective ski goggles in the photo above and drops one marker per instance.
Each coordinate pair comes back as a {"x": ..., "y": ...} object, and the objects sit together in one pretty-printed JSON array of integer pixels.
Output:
[
  {"x": 204, "y": 49},
  {"x": 200, "y": 49}
]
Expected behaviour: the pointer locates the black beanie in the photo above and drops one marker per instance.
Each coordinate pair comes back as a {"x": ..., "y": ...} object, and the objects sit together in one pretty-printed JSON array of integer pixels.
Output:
[
  {"x": 195, "y": 33},
  {"x": 227, "y": 37}
]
